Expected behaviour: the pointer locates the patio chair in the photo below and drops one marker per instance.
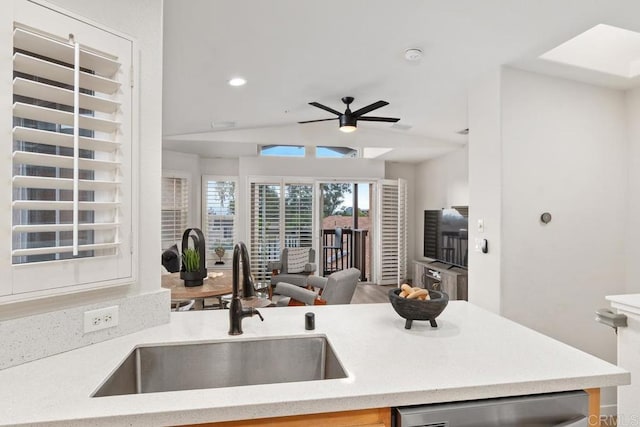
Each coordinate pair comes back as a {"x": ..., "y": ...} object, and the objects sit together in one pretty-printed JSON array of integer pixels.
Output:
[{"x": 338, "y": 288}]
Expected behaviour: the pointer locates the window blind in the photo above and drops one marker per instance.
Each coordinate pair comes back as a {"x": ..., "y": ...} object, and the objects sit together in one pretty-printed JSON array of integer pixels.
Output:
[
  {"x": 281, "y": 216},
  {"x": 219, "y": 215},
  {"x": 298, "y": 215},
  {"x": 264, "y": 228},
  {"x": 175, "y": 210},
  {"x": 66, "y": 149},
  {"x": 392, "y": 232}
]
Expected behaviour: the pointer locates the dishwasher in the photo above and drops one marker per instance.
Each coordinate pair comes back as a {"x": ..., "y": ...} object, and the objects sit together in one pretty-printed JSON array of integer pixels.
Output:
[{"x": 566, "y": 409}]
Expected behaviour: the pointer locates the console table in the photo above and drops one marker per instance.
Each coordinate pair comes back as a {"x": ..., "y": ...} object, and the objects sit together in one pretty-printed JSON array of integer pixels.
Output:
[{"x": 441, "y": 277}]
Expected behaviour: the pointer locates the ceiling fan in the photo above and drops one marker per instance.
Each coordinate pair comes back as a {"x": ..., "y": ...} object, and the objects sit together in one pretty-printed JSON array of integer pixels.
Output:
[{"x": 349, "y": 120}]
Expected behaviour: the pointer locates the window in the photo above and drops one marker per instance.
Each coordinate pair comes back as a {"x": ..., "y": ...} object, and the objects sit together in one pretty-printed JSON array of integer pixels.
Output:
[
  {"x": 336, "y": 152},
  {"x": 282, "y": 150},
  {"x": 175, "y": 209},
  {"x": 71, "y": 153},
  {"x": 281, "y": 216},
  {"x": 219, "y": 215}
]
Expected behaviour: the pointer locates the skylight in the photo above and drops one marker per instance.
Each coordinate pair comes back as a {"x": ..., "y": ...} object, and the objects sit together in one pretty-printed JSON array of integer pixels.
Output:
[
  {"x": 373, "y": 152},
  {"x": 603, "y": 48}
]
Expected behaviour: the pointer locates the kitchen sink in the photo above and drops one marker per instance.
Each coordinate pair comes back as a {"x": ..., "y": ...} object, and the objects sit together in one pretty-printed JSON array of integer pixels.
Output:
[{"x": 150, "y": 369}]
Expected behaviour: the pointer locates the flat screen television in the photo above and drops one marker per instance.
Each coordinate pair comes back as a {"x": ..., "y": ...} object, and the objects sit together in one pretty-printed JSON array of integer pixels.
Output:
[{"x": 446, "y": 236}]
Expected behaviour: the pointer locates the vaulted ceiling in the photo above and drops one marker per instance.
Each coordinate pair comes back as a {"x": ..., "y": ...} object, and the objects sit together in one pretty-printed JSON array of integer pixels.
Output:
[{"x": 293, "y": 52}]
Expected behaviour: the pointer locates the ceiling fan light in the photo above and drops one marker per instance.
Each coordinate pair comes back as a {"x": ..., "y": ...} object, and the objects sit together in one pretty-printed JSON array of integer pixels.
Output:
[{"x": 347, "y": 123}]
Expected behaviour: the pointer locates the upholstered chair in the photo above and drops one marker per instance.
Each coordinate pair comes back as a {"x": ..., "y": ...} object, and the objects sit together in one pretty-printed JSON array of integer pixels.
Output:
[
  {"x": 295, "y": 266},
  {"x": 338, "y": 288}
]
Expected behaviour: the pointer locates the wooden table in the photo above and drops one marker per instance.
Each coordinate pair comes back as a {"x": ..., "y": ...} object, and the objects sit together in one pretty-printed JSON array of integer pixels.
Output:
[{"x": 212, "y": 287}]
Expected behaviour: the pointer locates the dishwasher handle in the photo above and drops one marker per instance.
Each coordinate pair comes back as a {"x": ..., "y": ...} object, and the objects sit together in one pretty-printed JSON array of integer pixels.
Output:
[{"x": 610, "y": 318}]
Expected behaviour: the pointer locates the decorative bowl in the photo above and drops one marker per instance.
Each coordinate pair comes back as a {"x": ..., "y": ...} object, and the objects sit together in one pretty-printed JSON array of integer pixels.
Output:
[{"x": 415, "y": 309}]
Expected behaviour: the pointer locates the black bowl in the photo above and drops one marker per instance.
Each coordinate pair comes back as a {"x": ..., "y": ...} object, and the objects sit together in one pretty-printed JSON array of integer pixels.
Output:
[{"x": 415, "y": 309}]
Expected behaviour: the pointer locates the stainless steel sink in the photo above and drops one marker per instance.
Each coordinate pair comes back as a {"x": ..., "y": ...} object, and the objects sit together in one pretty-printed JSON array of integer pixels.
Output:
[{"x": 223, "y": 364}]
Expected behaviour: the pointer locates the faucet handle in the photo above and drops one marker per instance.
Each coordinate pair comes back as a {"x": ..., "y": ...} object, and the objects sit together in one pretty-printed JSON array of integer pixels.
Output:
[{"x": 258, "y": 313}]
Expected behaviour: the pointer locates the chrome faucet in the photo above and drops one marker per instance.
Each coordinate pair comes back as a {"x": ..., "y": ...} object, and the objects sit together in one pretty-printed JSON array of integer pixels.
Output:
[{"x": 236, "y": 311}]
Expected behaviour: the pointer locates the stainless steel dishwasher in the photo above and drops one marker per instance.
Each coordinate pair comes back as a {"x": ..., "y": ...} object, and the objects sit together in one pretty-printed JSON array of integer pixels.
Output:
[{"x": 552, "y": 409}]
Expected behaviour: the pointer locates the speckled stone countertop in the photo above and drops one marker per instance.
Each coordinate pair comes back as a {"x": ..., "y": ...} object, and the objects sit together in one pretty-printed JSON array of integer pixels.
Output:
[{"x": 473, "y": 354}]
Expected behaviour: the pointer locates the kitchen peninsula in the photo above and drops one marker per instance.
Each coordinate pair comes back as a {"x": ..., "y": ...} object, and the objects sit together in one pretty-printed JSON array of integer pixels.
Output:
[{"x": 473, "y": 354}]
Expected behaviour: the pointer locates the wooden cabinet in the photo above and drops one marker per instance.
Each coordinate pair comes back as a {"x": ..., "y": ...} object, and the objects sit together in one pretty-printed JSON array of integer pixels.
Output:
[
  {"x": 440, "y": 276},
  {"x": 378, "y": 417}
]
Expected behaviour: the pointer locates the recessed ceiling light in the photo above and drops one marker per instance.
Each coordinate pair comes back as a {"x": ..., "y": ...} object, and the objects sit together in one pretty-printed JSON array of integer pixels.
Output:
[{"x": 237, "y": 81}]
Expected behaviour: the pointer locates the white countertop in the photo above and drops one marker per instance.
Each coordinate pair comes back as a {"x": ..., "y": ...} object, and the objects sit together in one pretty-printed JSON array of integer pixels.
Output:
[
  {"x": 472, "y": 354},
  {"x": 628, "y": 302}
]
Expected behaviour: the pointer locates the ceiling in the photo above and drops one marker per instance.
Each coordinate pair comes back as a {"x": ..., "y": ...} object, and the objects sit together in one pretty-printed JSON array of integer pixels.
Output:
[{"x": 293, "y": 52}]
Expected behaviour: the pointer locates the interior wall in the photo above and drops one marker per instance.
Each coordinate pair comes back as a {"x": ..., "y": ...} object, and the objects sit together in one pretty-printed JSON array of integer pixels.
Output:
[
  {"x": 188, "y": 165},
  {"x": 440, "y": 183},
  {"x": 564, "y": 148},
  {"x": 407, "y": 171},
  {"x": 632, "y": 280},
  {"x": 485, "y": 190}
]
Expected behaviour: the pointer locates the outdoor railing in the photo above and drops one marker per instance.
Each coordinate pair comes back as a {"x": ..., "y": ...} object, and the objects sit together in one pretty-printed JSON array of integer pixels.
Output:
[{"x": 354, "y": 251}]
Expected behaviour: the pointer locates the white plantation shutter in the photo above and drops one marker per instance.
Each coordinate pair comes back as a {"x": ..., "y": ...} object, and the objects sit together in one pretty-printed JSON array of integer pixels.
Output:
[
  {"x": 264, "y": 228},
  {"x": 175, "y": 210},
  {"x": 71, "y": 152},
  {"x": 392, "y": 232},
  {"x": 281, "y": 216},
  {"x": 402, "y": 231},
  {"x": 298, "y": 216},
  {"x": 219, "y": 215}
]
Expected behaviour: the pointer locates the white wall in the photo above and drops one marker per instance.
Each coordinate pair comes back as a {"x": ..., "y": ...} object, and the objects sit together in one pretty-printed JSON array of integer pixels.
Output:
[
  {"x": 632, "y": 239},
  {"x": 485, "y": 190},
  {"x": 564, "y": 147},
  {"x": 186, "y": 165},
  {"x": 407, "y": 171},
  {"x": 440, "y": 183}
]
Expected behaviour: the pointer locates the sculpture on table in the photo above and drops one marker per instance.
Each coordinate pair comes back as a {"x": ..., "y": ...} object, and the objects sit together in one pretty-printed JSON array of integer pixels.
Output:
[
  {"x": 193, "y": 258},
  {"x": 219, "y": 250}
]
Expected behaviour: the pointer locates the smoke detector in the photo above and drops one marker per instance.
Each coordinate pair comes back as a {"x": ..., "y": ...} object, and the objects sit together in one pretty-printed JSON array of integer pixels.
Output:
[{"x": 413, "y": 54}]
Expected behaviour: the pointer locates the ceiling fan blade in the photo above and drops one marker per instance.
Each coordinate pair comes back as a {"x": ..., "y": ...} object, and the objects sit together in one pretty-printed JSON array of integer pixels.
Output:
[
  {"x": 371, "y": 107},
  {"x": 378, "y": 119},
  {"x": 324, "y": 107},
  {"x": 321, "y": 120}
]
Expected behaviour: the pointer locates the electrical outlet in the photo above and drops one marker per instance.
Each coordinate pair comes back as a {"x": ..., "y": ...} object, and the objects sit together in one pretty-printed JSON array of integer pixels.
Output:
[{"x": 101, "y": 318}]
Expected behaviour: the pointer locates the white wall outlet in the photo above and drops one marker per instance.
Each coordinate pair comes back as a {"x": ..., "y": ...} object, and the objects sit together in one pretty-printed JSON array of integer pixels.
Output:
[
  {"x": 101, "y": 318},
  {"x": 481, "y": 226}
]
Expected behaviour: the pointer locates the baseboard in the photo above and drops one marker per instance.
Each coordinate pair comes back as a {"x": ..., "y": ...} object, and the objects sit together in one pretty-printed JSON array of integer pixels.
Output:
[{"x": 608, "y": 410}]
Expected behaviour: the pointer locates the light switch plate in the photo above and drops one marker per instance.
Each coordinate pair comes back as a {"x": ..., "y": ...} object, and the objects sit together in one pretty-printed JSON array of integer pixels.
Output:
[{"x": 481, "y": 226}]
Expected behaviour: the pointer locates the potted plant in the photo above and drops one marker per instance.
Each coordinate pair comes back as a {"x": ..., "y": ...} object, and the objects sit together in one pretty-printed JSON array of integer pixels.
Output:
[{"x": 193, "y": 269}]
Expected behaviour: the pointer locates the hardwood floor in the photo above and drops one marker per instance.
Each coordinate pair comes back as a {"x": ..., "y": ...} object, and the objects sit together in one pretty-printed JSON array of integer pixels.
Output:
[{"x": 370, "y": 294}]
